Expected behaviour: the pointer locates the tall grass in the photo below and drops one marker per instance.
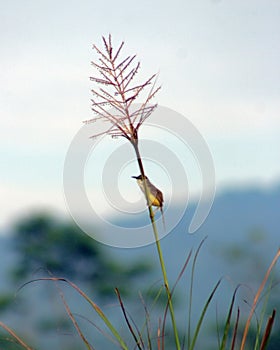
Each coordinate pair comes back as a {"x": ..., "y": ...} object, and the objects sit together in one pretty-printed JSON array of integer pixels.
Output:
[
  {"x": 114, "y": 88},
  {"x": 143, "y": 336}
]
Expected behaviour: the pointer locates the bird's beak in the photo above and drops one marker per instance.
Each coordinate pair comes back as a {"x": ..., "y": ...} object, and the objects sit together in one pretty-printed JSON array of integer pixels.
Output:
[{"x": 134, "y": 177}]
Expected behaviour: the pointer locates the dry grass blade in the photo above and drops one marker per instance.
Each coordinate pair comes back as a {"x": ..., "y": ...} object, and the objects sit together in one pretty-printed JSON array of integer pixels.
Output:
[
  {"x": 15, "y": 336},
  {"x": 227, "y": 325},
  {"x": 182, "y": 272},
  {"x": 257, "y": 297},
  {"x": 136, "y": 339},
  {"x": 95, "y": 307},
  {"x": 99, "y": 329},
  {"x": 268, "y": 329},
  {"x": 75, "y": 323},
  {"x": 147, "y": 322},
  {"x": 235, "y": 330}
]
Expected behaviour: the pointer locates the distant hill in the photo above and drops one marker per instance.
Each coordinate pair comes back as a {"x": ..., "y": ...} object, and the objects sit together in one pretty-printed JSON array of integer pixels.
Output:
[
  {"x": 237, "y": 217},
  {"x": 243, "y": 235}
]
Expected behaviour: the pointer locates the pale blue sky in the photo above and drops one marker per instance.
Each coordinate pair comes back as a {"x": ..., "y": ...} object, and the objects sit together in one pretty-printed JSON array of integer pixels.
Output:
[{"x": 218, "y": 64}]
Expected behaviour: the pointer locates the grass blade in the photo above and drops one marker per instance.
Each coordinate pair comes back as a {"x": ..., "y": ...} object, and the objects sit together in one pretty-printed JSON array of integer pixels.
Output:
[
  {"x": 203, "y": 314},
  {"x": 172, "y": 291},
  {"x": 268, "y": 330},
  {"x": 147, "y": 324},
  {"x": 137, "y": 341},
  {"x": 235, "y": 330},
  {"x": 75, "y": 323},
  {"x": 191, "y": 291},
  {"x": 257, "y": 297},
  {"x": 15, "y": 336},
  {"x": 227, "y": 325},
  {"x": 95, "y": 307}
]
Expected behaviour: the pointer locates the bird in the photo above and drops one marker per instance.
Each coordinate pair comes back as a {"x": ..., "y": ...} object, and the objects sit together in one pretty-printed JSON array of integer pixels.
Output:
[{"x": 155, "y": 196}]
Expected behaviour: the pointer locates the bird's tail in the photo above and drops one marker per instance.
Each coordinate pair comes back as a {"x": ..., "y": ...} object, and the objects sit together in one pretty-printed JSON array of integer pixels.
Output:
[{"x": 163, "y": 220}]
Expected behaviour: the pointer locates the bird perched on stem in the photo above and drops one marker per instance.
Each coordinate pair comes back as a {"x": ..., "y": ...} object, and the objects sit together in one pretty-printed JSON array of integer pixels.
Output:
[{"x": 155, "y": 196}]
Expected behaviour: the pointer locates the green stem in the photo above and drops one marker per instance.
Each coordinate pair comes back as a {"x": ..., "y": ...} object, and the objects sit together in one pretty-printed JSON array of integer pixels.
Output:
[{"x": 162, "y": 264}]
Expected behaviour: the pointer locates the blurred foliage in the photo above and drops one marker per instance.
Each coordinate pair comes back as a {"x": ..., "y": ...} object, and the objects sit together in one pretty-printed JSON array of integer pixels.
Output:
[
  {"x": 249, "y": 253},
  {"x": 62, "y": 324},
  {"x": 5, "y": 301},
  {"x": 274, "y": 341},
  {"x": 7, "y": 343},
  {"x": 52, "y": 247}
]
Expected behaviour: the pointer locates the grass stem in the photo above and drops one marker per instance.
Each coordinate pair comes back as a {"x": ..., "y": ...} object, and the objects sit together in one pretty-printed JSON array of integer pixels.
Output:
[{"x": 159, "y": 250}]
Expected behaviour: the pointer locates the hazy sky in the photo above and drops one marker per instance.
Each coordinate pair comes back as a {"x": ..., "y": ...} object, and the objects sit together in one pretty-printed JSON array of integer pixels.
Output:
[{"x": 218, "y": 63}]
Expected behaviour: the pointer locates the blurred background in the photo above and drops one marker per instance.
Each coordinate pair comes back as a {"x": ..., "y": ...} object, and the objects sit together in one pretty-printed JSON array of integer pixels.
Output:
[{"x": 218, "y": 65}]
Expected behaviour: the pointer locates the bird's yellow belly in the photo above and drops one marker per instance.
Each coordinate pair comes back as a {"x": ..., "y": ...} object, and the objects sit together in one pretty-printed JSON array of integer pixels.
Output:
[{"x": 154, "y": 201}]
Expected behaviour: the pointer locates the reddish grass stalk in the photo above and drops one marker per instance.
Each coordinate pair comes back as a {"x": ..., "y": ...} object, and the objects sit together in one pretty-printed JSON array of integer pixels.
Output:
[
  {"x": 14, "y": 335},
  {"x": 268, "y": 330},
  {"x": 256, "y": 299},
  {"x": 138, "y": 342},
  {"x": 75, "y": 323},
  {"x": 235, "y": 330}
]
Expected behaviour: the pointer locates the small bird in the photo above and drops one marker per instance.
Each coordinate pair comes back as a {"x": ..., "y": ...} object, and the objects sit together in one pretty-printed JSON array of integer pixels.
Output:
[{"x": 155, "y": 196}]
